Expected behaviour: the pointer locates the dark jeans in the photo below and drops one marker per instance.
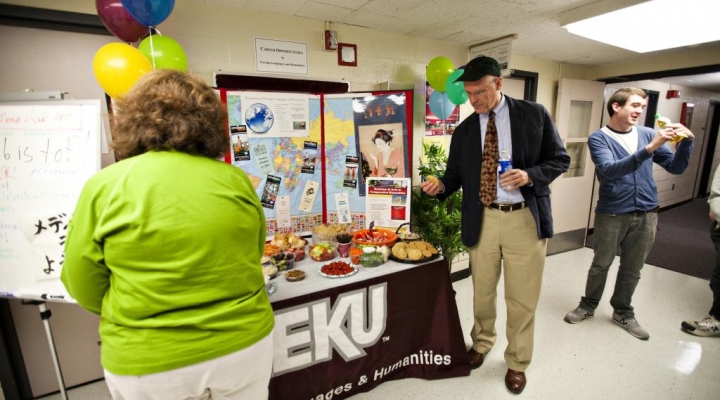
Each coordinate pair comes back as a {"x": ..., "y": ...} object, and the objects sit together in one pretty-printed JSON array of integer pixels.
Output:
[
  {"x": 635, "y": 233},
  {"x": 715, "y": 278}
]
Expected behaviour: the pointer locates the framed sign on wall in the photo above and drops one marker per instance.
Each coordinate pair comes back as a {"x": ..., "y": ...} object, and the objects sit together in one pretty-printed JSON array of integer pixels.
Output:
[{"x": 347, "y": 54}]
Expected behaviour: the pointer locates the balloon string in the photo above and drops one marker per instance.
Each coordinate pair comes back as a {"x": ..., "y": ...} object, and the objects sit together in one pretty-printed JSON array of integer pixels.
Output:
[
  {"x": 152, "y": 49},
  {"x": 442, "y": 110},
  {"x": 442, "y": 107}
]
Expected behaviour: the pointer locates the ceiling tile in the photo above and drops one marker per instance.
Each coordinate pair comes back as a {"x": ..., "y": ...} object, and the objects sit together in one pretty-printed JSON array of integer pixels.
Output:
[{"x": 321, "y": 11}]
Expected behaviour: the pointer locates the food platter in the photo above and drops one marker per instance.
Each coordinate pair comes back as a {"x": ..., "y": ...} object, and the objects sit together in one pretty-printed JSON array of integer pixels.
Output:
[
  {"x": 409, "y": 261},
  {"x": 414, "y": 252},
  {"x": 354, "y": 271}
]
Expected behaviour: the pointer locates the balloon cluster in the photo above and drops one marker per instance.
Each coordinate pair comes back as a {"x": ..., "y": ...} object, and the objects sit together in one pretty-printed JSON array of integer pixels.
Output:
[
  {"x": 441, "y": 75},
  {"x": 117, "y": 66}
]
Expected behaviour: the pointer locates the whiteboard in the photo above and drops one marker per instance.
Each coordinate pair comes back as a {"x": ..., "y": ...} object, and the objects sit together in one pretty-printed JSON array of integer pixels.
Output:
[{"x": 48, "y": 150}]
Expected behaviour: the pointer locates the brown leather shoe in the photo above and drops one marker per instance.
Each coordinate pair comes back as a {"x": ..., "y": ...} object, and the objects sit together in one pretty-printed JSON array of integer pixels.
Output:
[
  {"x": 476, "y": 359},
  {"x": 515, "y": 381}
]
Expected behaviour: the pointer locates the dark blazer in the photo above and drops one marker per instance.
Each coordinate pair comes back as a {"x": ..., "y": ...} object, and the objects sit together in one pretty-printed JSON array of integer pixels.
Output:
[{"x": 536, "y": 148}]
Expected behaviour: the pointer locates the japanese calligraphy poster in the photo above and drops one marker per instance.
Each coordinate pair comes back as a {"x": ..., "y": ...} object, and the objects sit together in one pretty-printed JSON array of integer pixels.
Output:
[{"x": 381, "y": 137}]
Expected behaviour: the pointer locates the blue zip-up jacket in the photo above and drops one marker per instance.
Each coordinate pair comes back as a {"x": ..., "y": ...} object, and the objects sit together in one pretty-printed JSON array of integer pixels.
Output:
[{"x": 626, "y": 180}]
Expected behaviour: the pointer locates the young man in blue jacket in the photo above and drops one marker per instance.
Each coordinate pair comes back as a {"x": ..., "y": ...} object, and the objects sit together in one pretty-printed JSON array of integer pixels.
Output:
[{"x": 626, "y": 212}]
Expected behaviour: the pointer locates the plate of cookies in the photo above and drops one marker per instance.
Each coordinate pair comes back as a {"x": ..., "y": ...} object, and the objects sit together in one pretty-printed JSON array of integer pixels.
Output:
[{"x": 418, "y": 251}]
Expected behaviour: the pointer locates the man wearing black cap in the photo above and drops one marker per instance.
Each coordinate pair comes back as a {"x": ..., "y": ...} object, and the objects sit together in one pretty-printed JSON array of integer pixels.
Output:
[{"x": 507, "y": 220}]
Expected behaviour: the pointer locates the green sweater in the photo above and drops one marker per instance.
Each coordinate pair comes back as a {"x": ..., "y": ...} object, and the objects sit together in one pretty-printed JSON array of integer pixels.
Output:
[{"x": 166, "y": 248}]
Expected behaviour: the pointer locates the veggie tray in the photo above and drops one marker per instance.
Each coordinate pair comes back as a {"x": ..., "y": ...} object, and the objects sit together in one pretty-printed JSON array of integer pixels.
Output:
[{"x": 337, "y": 269}]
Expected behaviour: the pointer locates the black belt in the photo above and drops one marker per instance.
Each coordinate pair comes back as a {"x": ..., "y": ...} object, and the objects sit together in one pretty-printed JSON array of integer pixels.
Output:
[{"x": 507, "y": 207}]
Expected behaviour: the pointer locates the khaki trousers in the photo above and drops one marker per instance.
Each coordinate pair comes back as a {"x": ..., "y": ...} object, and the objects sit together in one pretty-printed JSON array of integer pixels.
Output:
[{"x": 510, "y": 240}]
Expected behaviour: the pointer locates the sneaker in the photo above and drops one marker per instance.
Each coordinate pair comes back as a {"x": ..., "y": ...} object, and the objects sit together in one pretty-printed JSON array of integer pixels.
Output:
[
  {"x": 708, "y": 326},
  {"x": 631, "y": 325},
  {"x": 578, "y": 315}
]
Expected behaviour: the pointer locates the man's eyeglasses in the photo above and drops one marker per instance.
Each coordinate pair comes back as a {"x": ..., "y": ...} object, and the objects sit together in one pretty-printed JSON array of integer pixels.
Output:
[{"x": 480, "y": 92}]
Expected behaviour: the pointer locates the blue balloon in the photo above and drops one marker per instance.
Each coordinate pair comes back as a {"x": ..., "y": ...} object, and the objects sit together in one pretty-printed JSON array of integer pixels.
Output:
[
  {"x": 440, "y": 105},
  {"x": 149, "y": 12}
]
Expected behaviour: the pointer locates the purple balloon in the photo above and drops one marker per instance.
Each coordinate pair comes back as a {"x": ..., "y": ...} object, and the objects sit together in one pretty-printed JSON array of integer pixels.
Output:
[{"x": 119, "y": 21}]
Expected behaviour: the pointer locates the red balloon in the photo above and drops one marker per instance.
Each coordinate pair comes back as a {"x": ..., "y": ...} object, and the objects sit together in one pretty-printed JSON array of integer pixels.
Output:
[{"x": 119, "y": 21}]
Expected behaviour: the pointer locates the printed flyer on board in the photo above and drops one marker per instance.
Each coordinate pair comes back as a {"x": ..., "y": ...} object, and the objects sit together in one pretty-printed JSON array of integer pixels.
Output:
[{"x": 387, "y": 202}]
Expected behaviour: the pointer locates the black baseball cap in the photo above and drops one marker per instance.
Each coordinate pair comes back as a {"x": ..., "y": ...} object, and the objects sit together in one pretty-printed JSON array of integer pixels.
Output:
[{"x": 479, "y": 67}]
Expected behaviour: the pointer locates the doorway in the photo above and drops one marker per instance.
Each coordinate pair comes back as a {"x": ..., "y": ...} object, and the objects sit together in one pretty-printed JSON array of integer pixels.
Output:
[{"x": 709, "y": 162}]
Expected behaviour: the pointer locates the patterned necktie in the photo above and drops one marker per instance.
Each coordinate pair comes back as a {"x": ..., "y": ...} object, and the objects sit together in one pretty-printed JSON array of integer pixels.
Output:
[{"x": 488, "y": 177}]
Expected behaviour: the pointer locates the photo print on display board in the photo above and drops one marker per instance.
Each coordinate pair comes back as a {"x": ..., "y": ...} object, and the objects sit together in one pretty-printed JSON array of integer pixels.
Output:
[
  {"x": 351, "y": 172},
  {"x": 309, "y": 155},
  {"x": 239, "y": 143},
  {"x": 269, "y": 195}
]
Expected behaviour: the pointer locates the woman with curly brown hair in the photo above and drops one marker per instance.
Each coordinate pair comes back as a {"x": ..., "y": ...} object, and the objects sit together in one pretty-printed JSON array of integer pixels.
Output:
[{"x": 153, "y": 249}]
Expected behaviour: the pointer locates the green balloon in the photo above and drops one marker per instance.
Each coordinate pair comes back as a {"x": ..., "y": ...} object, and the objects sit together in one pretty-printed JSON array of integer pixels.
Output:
[
  {"x": 164, "y": 52},
  {"x": 438, "y": 71},
  {"x": 456, "y": 90}
]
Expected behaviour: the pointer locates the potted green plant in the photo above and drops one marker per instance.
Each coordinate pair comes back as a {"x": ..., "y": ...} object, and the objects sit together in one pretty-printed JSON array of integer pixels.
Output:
[{"x": 438, "y": 221}]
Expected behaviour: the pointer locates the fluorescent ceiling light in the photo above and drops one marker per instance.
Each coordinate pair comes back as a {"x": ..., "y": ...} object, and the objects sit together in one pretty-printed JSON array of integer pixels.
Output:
[{"x": 648, "y": 26}]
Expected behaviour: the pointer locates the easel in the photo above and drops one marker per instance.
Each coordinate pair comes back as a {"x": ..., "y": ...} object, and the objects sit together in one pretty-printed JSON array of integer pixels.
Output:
[
  {"x": 22, "y": 102},
  {"x": 45, "y": 315}
]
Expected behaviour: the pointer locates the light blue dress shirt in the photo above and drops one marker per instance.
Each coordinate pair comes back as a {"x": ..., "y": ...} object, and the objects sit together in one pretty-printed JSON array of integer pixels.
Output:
[{"x": 502, "y": 123}]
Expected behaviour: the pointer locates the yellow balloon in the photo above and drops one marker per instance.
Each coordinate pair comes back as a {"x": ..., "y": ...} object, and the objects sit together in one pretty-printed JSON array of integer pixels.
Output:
[{"x": 117, "y": 66}]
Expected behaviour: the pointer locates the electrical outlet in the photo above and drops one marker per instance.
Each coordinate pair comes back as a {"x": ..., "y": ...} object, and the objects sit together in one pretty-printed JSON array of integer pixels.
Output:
[{"x": 673, "y": 188}]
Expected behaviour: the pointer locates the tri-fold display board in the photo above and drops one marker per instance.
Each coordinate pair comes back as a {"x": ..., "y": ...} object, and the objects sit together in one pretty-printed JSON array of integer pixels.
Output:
[{"x": 309, "y": 155}]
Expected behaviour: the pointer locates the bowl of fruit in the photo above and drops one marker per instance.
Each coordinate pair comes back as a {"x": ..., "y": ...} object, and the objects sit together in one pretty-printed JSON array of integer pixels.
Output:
[
  {"x": 284, "y": 260},
  {"x": 323, "y": 251},
  {"x": 299, "y": 253}
]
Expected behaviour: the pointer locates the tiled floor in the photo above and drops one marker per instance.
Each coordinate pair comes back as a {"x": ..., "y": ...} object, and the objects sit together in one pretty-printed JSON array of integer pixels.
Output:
[{"x": 592, "y": 360}]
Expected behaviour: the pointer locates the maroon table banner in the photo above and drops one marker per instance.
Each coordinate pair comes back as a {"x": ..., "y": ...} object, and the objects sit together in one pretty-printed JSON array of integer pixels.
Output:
[{"x": 339, "y": 342}]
